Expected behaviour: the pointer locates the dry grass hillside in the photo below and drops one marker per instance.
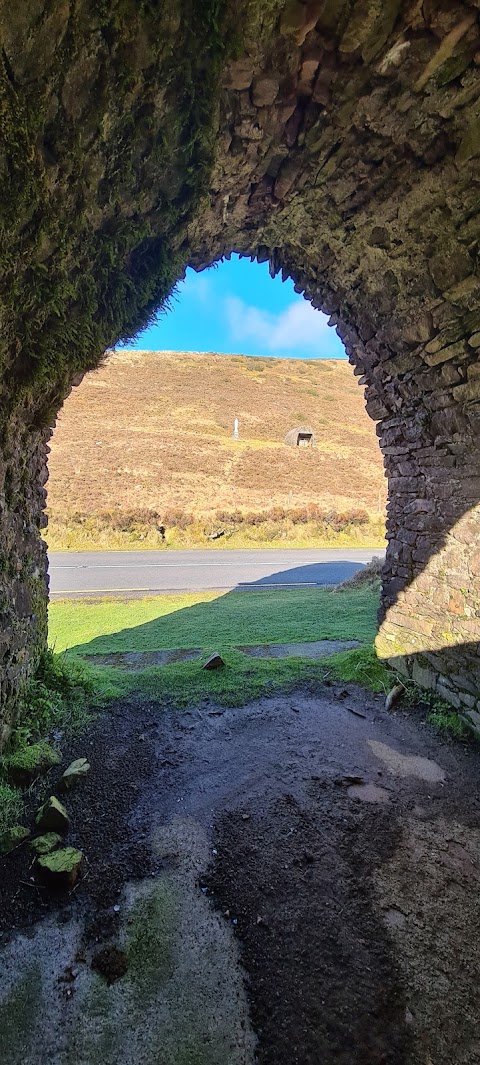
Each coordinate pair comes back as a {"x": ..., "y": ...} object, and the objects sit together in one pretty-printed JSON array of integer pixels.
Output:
[{"x": 153, "y": 432}]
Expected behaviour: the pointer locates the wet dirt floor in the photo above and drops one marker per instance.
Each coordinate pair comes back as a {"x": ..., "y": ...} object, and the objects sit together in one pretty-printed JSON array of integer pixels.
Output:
[{"x": 295, "y": 882}]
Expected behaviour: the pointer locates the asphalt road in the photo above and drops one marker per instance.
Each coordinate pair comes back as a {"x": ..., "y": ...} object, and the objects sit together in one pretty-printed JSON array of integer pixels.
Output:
[{"x": 136, "y": 572}]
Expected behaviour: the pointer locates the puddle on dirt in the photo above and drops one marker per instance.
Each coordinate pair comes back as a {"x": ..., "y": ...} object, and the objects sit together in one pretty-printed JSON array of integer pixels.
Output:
[
  {"x": 407, "y": 765},
  {"x": 368, "y": 793},
  {"x": 175, "y": 993},
  {"x": 357, "y": 922},
  {"x": 394, "y": 919}
]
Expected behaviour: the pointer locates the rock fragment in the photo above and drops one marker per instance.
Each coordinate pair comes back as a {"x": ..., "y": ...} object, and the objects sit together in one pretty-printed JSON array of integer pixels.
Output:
[
  {"x": 394, "y": 695},
  {"x": 61, "y": 868},
  {"x": 52, "y": 817},
  {"x": 214, "y": 662},
  {"x": 76, "y": 771},
  {"x": 46, "y": 843}
]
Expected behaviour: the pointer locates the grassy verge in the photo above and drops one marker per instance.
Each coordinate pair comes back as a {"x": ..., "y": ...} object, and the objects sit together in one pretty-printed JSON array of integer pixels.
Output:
[{"x": 307, "y": 527}]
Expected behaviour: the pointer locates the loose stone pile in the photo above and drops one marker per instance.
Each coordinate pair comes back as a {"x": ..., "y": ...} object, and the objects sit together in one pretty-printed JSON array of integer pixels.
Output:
[{"x": 56, "y": 866}]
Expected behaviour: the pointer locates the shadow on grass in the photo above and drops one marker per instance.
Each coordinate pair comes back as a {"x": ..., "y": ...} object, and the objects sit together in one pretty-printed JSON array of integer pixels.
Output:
[{"x": 213, "y": 622}]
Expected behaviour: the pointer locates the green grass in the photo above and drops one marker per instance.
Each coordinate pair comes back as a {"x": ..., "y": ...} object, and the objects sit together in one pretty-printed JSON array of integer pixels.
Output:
[
  {"x": 361, "y": 666},
  {"x": 56, "y": 697},
  {"x": 186, "y": 684},
  {"x": 11, "y": 806},
  {"x": 211, "y": 622},
  {"x": 447, "y": 720}
]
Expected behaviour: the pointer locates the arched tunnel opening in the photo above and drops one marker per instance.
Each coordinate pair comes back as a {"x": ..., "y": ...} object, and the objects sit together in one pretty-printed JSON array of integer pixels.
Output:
[
  {"x": 153, "y": 430},
  {"x": 337, "y": 140},
  {"x": 339, "y": 146}
]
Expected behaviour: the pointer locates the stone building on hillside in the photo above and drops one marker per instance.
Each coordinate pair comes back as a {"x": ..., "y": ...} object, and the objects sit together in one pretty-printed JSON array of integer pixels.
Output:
[{"x": 302, "y": 436}]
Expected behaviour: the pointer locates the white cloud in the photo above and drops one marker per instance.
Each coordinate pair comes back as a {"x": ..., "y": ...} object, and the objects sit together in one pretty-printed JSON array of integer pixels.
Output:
[
  {"x": 298, "y": 326},
  {"x": 199, "y": 286}
]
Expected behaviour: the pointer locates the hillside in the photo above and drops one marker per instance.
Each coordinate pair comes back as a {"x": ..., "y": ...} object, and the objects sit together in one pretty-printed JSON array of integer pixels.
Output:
[{"x": 154, "y": 431}]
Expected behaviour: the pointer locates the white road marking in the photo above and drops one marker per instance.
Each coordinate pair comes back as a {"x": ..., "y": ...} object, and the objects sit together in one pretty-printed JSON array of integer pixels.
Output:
[
  {"x": 189, "y": 591},
  {"x": 194, "y": 565}
]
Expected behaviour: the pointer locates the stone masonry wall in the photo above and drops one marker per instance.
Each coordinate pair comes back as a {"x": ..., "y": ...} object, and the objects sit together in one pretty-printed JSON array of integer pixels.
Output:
[
  {"x": 337, "y": 139},
  {"x": 23, "y": 561}
]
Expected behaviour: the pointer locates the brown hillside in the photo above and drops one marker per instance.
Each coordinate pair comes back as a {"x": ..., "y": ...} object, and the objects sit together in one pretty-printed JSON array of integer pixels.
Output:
[{"x": 155, "y": 430}]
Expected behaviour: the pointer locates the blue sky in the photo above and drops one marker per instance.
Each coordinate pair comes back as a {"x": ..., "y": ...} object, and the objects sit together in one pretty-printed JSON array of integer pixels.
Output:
[{"x": 236, "y": 307}]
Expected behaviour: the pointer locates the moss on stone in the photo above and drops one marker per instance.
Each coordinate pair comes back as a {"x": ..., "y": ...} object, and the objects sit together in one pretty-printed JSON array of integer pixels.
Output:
[
  {"x": 12, "y": 838},
  {"x": 52, "y": 817},
  {"x": 23, "y": 765},
  {"x": 151, "y": 939},
  {"x": 66, "y": 860},
  {"x": 45, "y": 844}
]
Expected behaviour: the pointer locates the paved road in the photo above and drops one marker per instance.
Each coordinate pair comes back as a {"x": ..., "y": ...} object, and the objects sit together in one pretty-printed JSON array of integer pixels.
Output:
[{"x": 134, "y": 572}]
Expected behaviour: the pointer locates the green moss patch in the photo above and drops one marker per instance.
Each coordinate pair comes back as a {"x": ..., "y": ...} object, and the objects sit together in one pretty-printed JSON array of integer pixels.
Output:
[
  {"x": 18, "y": 1014},
  {"x": 45, "y": 844},
  {"x": 150, "y": 947},
  {"x": 12, "y": 838},
  {"x": 60, "y": 869},
  {"x": 63, "y": 861},
  {"x": 59, "y": 695},
  {"x": 29, "y": 762},
  {"x": 361, "y": 666}
]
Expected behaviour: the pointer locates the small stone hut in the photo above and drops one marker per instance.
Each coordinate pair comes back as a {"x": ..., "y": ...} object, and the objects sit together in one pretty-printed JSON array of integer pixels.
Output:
[{"x": 302, "y": 436}]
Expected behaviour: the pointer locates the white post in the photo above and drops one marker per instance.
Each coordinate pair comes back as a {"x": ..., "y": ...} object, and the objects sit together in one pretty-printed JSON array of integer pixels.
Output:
[{"x": 235, "y": 429}]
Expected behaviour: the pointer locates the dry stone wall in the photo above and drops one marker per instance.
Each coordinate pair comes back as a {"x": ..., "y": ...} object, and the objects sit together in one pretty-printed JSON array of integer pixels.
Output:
[{"x": 337, "y": 139}]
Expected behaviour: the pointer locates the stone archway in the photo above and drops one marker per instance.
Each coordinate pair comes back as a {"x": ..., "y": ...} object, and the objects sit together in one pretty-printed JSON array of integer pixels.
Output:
[{"x": 339, "y": 139}]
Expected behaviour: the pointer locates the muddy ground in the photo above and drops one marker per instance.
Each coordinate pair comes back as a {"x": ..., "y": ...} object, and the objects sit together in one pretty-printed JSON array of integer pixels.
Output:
[{"x": 295, "y": 882}]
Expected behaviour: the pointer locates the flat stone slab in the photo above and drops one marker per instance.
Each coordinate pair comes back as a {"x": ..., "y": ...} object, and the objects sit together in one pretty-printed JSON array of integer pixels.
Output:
[
  {"x": 135, "y": 660},
  {"x": 313, "y": 649}
]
